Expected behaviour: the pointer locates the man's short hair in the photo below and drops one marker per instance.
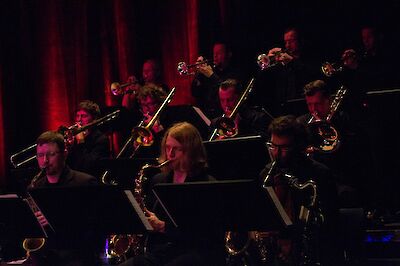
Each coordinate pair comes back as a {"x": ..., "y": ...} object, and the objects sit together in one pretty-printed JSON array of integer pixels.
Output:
[
  {"x": 90, "y": 107},
  {"x": 51, "y": 137},
  {"x": 289, "y": 126},
  {"x": 231, "y": 83},
  {"x": 153, "y": 91},
  {"x": 310, "y": 89}
]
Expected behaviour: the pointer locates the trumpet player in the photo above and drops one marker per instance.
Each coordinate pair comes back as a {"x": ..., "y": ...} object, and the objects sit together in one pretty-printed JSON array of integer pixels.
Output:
[
  {"x": 286, "y": 146},
  {"x": 87, "y": 147},
  {"x": 151, "y": 74},
  {"x": 209, "y": 75},
  {"x": 182, "y": 146}
]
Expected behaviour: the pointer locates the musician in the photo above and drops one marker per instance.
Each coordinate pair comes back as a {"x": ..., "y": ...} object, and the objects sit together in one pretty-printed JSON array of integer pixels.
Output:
[
  {"x": 182, "y": 144},
  {"x": 59, "y": 249},
  {"x": 249, "y": 120},
  {"x": 286, "y": 145},
  {"x": 284, "y": 81},
  {"x": 207, "y": 79},
  {"x": 151, "y": 75},
  {"x": 149, "y": 99},
  {"x": 87, "y": 147},
  {"x": 350, "y": 173}
]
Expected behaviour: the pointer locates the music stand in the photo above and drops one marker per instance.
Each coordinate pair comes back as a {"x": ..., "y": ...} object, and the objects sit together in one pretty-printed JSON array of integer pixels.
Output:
[
  {"x": 222, "y": 205},
  {"x": 186, "y": 113},
  {"x": 101, "y": 210},
  {"x": 234, "y": 158},
  {"x": 17, "y": 219}
]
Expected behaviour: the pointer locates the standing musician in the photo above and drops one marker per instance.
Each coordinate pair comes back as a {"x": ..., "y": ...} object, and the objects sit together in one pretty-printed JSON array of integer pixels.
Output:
[
  {"x": 87, "y": 147},
  {"x": 209, "y": 75},
  {"x": 249, "y": 120},
  {"x": 350, "y": 173},
  {"x": 182, "y": 146},
  {"x": 60, "y": 249},
  {"x": 286, "y": 145},
  {"x": 290, "y": 68}
]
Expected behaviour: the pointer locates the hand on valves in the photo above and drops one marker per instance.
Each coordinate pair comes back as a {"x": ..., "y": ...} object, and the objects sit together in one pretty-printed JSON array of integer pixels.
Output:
[
  {"x": 280, "y": 56},
  {"x": 204, "y": 68}
]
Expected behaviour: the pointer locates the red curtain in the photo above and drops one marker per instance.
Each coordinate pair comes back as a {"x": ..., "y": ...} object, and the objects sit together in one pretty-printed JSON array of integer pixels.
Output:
[{"x": 3, "y": 155}]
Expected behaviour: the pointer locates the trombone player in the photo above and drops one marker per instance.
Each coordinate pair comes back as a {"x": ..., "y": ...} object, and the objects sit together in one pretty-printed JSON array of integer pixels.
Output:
[{"x": 87, "y": 147}]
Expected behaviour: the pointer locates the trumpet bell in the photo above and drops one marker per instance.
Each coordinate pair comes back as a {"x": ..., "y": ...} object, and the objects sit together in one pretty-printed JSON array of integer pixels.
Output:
[
  {"x": 329, "y": 69},
  {"x": 142, "y": 136},
  {"x": 183, "y": 68},
  {"x": 116, "y": 89},
  {"x": 263, "y": 61}
]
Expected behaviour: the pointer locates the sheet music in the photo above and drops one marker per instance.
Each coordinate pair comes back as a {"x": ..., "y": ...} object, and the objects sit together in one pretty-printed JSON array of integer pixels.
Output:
[
  {"x": 9, "y": 196},
  {"x": 138, "y": 210},
  {"x": 202, "y": 115},
  {"x": 279, "y": 206}
]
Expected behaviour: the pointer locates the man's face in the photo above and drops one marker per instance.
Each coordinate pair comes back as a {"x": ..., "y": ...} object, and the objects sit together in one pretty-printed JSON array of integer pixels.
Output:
[
  {"x": 148, "y": 105},
  {"x": 220, "y": 55},
  {"x": 291, "y": 42},
  {"x": 149, "y": 72},
  {"x": 281, "y": 149},
  {"x": 228, "y": 99},
  {"x": 83, "y": 118},
  {"x": 368, "y": 38},
  {"x": 49, "y": 156},
  {"x": 318, "y": 104}
]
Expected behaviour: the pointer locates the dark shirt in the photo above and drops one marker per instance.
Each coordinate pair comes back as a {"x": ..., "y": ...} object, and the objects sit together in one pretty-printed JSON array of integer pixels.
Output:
[
  {"x": 205, "y": 90},
  {"x": 85, "y": 156}
]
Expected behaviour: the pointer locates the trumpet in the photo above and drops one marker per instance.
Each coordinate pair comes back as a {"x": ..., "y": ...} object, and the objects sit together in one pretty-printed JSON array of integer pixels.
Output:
[
  {"x": 330, "y": 69},
  {"x": 121, "y": 89},
  {"x": 22, "y": 157},
  {"x": 225, "y": 126},
  {"x": 265, "y": 62},
  {"x": 183, "y": 68}
]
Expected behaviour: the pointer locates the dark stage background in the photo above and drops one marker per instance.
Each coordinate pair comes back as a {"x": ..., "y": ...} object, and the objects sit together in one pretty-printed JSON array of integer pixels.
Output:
[{"x": 53, "y": 54}]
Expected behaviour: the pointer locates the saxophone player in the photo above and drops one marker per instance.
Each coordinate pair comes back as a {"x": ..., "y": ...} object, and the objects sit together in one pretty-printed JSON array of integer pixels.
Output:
[
  {"x": 182, "y": 146},
  {"x": 51, "y": 154},
  {"x": 286, "y": 145}
]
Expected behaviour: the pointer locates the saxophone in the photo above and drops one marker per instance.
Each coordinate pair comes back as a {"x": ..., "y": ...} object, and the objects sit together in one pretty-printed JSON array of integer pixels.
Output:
[
  {"x": 119, "y": 246},
  {"x": 34, "y": 244}
]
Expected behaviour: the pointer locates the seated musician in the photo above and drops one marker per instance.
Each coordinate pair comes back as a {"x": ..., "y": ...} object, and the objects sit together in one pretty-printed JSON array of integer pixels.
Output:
[
  {"x": 149, "y": 99},
  {"x": 350, "y": 173},
  {"x": 248, "y": 120},
  {"x": 87, "y": 147},
  {"x": 182, "y": 146},
  {"x": 61, "y": 249},
  {"x": 286, "y": 145}
]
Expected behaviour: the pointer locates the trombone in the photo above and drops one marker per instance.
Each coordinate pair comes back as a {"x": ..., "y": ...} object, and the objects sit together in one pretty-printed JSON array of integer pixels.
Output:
[
  {"x": 225, "y": 126},
  {"x": 142, "y": 134},
  {"x": 67, "y": 132}
]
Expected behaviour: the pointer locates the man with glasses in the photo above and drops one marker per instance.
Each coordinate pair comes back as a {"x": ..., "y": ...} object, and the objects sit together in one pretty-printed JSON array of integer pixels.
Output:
[
  {"x": 51, "y": 154},
  {"x": 286, "y": 146}
]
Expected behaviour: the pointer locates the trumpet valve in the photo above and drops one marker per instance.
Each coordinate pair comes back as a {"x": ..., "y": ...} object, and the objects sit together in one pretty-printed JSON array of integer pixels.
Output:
[{"x": 183, "y": 68}]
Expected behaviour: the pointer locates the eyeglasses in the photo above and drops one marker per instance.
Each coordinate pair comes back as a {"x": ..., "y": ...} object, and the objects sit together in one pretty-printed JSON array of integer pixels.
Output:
[
  {"x": 273, "y": 147},
  {"x": 50, "y": 154}
]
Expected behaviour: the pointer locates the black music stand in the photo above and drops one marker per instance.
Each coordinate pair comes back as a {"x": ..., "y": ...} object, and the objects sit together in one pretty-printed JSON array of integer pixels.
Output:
[
  {"x": 17, "y": 219},
  {"x": 234, "y": 158},
  {"x": 222, "y": 205},
  {"x": 124, "y": 170},
  {"x": 186, "y": 113},
  {"x": 100, "y": 210}
]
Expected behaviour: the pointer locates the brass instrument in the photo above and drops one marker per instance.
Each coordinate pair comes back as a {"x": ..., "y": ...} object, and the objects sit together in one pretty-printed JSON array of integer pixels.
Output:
[
  {"x": 226, "y": 126},
  {"x": 68, "y": 132},
  {"x": 331, "y": 69},
  {"x": 141, "y": 134},
  {"x": 118, "y": 89},
  {"x": 120, "y": 245},
  {"x": 325, "y": 135},
  {"x": 265, "y": 62},
  {"x": 183, "y": 68},
  {"x": 34, "y": 244}
]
